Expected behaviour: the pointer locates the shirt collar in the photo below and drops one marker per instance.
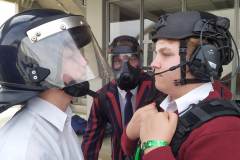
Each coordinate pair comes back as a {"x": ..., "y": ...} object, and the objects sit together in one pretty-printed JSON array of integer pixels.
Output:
[
  {"x": 192, "y": 97},
  {"x": 49, "y": 112},
  {"x": 123, "y": 93}
]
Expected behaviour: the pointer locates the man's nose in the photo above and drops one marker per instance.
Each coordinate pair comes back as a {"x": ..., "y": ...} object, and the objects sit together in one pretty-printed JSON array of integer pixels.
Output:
[{"x": 156, "y": 63}]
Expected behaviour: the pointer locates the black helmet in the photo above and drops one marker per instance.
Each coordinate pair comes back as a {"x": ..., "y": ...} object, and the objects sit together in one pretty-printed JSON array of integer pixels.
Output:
[
  {"x": 202, "y": 25},
  {"x": 46, "y": 48},
  {"x": 124, "y": 44},
  {"x": 123, "y": 52}
]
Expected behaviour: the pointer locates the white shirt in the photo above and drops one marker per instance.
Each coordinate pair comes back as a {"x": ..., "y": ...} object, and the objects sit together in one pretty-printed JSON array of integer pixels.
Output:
[
  {"x": 122, "y": 100},
  {"x": 193, "y": 97},
  {"x": 39, "y": 131}
]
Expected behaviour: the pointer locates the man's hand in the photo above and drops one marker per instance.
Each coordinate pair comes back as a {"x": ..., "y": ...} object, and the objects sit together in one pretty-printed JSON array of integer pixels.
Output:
[
  {"x": 133, "y": 127},
  {"x": 158, "y": 126}
]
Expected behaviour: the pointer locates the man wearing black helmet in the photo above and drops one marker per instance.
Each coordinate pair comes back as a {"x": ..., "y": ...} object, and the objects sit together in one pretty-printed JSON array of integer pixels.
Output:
[
  {"x": 119, "y": 99},
  {"x": 187, "y": 60},
  {"x": 47, "y": 57}
]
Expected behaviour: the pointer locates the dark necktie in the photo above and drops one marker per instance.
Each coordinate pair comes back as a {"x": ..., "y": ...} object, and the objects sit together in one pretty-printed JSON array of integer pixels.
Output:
[{"x": 128, "y": 111}]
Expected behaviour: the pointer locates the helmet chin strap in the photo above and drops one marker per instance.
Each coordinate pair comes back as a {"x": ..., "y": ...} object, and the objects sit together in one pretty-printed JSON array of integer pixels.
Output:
[
  {"x": 183, "y": 54},
  {"x": 79, "y": 89},
  {"x": 183, "y": 63}
]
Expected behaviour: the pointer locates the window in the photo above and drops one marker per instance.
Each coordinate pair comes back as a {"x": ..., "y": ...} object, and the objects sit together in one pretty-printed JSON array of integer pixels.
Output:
[{"x": 8, "y": 9}]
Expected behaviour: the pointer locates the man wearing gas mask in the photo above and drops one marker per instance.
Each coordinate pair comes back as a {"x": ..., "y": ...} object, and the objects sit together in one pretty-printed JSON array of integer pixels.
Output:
[
  {"x": 47, "y": 57},
  {"x": 126, "y": 59},
  {"x": 119, "y": 99}
]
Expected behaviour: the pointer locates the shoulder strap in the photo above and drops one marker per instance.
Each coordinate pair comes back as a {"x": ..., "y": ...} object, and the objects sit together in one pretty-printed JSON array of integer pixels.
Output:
[{"x": 196, "y": 115}]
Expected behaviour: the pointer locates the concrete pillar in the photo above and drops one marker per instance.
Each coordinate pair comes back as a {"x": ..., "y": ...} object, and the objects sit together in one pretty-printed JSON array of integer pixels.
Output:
[
  {"x": 94, "y": 17},
  {"x": 114, "y": 13}
]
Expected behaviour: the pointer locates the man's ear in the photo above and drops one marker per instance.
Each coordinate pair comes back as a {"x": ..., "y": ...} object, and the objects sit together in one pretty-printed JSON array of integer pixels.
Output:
[
  {"x": 188, "y": 73},
  {"x": 187, "y": 59}
]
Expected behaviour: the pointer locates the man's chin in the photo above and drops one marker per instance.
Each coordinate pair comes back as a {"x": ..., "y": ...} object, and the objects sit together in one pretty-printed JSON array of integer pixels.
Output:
[
  {"x": 160, "y": 86},
  {"x": 67, "y": 79}
]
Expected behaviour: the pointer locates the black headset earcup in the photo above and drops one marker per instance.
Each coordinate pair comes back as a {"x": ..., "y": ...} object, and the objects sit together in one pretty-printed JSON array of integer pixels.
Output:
[{"x": 205, "y": 62}]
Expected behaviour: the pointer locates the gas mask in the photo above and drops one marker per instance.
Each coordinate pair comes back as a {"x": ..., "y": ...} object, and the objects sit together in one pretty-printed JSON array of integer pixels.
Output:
[{"x": 126, "y": 69}]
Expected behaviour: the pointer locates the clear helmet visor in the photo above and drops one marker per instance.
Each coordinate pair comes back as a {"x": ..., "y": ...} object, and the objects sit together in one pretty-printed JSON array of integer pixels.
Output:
[
  {"x": 121, "y": 62},
  {"x": 72, "y": 56}
]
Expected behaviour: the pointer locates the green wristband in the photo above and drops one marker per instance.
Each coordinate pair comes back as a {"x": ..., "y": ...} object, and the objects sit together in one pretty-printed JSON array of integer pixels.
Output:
[
  {"x": 138, "y": 153},
  {"x": 154, "y": 143}
]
